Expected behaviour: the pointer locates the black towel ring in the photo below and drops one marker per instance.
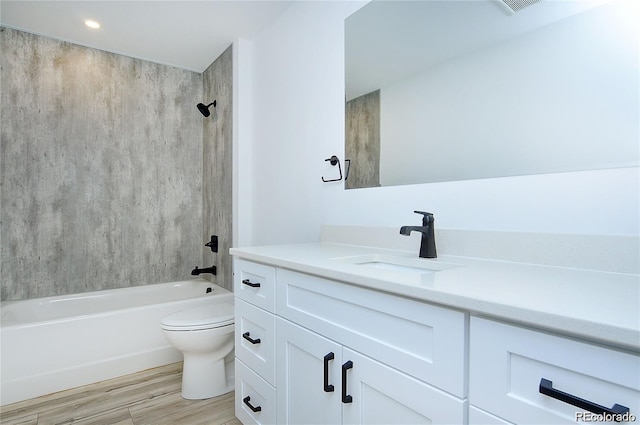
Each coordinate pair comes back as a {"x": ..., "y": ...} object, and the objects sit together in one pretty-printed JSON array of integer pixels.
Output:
[{"x": 333, "y": 161}]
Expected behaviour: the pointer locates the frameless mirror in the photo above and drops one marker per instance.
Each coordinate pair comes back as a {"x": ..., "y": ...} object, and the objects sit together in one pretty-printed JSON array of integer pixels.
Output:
[{"x": 454, "y": 90}]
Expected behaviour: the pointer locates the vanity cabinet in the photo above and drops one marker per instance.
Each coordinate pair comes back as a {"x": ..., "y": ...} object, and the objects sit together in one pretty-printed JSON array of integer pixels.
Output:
[
  {"x": 343, "y": 354},
  {"x": 314, "y": 350},
  {"x": 510, "y": 366}
]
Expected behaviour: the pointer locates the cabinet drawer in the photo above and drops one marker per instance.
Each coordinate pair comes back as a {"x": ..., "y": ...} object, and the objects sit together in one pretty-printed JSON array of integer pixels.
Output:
[
  {"x": 255, "y": 399},
  {"x": 480, "y": 417},
  {"x": 255, "y": 339},
  {"x": 420, "y": 339},
  {"x": 255, "y": 283},
  {"x": 507, "y": 364}
]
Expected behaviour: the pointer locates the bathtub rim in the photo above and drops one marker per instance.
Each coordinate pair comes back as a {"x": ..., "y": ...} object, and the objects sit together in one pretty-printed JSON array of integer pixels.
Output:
[{"x": 8, "y": 322}]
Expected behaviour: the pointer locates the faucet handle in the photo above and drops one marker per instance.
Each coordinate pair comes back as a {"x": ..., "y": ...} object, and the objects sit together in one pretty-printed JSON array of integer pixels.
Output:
[{"x": 428, "y": 217}]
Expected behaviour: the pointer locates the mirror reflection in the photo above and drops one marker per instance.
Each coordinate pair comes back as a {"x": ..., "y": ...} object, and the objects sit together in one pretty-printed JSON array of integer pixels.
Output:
[{"x": 456, "y": 90}]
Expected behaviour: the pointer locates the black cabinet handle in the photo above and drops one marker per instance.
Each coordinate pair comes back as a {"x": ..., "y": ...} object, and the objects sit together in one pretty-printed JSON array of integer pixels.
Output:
[
  {"x": 346, "y": 398},
  {"x": 249, "y": 283},
  {"x": 328, "y": 388},
  {"x": 251, "y": 340},
  {"x": 253, "y": 409},
  {"x": 546, "y": 388}
]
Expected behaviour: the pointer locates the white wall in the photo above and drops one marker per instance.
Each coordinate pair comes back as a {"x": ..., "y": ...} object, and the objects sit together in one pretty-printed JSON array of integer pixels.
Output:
[
  {"x": 242, "y": 196},
  {"x": 297, "y": 107},
  {"x": 297, "y": 120}
]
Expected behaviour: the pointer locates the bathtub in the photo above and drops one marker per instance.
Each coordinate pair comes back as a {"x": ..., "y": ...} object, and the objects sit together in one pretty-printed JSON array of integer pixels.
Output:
[{"x": 61, "y": 342}]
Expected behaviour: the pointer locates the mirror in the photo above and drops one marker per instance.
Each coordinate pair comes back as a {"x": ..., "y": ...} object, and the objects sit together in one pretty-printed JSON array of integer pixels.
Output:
[{"x": 455, "y": 90}]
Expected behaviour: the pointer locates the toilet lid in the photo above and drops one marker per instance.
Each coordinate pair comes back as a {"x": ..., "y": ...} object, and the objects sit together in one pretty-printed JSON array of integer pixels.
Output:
[{"x": 206, "y": 317}]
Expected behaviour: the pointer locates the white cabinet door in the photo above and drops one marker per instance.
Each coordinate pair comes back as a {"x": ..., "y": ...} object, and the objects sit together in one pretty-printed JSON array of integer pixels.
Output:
[
  {"x": 382, "y": 395},
  {"x": 360, "y": 389},
  {"x": 308, "y": 376}
]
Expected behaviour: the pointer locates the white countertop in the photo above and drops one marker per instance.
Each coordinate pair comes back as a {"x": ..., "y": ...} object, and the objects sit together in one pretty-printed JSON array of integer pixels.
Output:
[{"x": 600, "y": 306}]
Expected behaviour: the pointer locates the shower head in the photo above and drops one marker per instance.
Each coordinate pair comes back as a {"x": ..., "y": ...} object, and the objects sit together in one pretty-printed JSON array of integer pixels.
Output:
[{"x": 204, "y": 109}]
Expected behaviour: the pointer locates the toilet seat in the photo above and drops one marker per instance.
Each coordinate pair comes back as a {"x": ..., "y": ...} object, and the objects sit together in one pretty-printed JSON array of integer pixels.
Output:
[{"x": 199, "y": 318}]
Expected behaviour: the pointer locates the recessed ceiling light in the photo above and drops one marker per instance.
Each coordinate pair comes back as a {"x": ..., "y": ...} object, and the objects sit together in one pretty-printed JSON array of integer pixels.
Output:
[{"x": 92, "y": 24}]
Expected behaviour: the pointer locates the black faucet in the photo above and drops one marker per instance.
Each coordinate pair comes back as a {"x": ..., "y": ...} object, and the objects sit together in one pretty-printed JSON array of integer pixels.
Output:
[
  {"x": 428, "y": 242},
  {"x": 197, "y": 271}
]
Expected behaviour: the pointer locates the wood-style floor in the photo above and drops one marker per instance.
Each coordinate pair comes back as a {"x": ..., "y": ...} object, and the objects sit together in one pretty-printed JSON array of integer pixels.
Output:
[{"x": 151, "y": 397}]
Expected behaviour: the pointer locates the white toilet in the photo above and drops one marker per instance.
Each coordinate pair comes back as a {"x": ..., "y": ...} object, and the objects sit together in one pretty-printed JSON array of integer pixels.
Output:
[{"x": 205, "y": 337}]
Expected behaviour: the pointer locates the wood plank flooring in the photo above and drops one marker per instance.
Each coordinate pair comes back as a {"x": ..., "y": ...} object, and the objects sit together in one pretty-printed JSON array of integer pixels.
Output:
[{"x": 150, "y": 397}]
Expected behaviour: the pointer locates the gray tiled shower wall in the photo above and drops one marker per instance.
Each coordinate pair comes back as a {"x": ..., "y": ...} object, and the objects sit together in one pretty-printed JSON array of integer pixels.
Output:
[
  {"x": 217, "y": 172},
  {"x": 101, "y": 169}
]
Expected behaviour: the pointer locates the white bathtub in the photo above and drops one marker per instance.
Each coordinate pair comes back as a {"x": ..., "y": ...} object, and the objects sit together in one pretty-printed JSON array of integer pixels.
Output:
[{"x": 56, "y": 343}]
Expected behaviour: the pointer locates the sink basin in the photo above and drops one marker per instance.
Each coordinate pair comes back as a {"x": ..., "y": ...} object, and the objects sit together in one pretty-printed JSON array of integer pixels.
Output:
[{"x": 398, "y": 264}]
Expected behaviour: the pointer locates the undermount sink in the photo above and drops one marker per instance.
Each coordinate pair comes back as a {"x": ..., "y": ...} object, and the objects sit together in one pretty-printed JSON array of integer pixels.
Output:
[{"x": 399, "y": 264}]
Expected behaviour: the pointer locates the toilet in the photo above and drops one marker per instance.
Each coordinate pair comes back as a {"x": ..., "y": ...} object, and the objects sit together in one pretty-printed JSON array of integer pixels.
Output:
[{"x": 205, "y": 336}]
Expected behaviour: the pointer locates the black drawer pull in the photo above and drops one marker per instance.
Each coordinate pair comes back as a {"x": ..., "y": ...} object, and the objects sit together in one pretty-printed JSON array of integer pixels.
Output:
[
  {"x": 328, "y": 388},
  {"x": 346, "y": 398},
  {"x": 253, "y": 409},
  {"x": 249, "y": 283},
  {"x": 251, "y": 340},
  {"x": 546, "y": 388}
]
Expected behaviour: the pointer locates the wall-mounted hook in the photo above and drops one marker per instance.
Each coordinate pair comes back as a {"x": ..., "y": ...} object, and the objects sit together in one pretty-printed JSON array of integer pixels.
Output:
[{"x": 333, "y": 161}]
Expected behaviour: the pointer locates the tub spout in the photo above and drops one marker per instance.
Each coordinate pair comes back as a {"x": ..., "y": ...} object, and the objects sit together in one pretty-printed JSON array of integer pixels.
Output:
[{"x": 197, "y": 271}]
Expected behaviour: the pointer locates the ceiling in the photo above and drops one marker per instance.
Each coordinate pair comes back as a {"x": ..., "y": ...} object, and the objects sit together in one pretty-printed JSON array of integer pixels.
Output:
[
  {"x": 192, "y": 34},
  {"x": 182, "y": 33}
]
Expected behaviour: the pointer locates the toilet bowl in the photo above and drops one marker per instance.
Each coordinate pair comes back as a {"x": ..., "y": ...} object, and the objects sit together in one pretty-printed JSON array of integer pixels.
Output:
[{"x": 205, "y": 337}]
